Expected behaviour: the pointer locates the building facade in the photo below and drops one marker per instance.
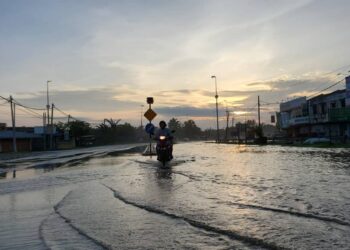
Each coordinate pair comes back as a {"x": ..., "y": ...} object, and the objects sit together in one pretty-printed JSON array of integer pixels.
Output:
[{"x": 325, "y": 115}]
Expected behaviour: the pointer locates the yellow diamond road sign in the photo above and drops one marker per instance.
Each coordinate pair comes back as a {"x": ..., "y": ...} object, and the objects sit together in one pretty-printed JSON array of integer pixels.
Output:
[{"x": 150, "y": 114}]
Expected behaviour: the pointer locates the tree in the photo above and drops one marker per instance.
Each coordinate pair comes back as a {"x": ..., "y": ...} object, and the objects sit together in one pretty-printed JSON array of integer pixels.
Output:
[
  {"x": 174, "y": 124},
  {"x": 191, "y": 130},
  {"x": 112, "y": 123},
  {"x": 110, "y": 131},
  {"x": 251, "y": 123},
  {"x": 61, "y": 126},
  {"x": 79, "y": 128},
  {"x": 76, "y": 128},
  {"x": 125, "y": 132}
]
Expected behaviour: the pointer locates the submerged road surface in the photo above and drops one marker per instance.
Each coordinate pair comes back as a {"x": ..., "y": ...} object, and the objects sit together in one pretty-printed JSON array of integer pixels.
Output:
[{"x": 211, "y": 197}]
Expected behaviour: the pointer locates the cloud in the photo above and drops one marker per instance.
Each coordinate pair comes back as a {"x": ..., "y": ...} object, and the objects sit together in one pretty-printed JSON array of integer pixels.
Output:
[
  {"x": 93, "y": 100},
  {"x": 125, "y": 103},
  {"x": 186, "y": 111}
]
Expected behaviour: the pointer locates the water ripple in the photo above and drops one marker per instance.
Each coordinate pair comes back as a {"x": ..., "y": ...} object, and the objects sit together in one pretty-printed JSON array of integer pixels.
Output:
[
  {"x": 198, "y": 224},
  {"x": 79, "y": 230},
  {"x": 290, "y": 212}
]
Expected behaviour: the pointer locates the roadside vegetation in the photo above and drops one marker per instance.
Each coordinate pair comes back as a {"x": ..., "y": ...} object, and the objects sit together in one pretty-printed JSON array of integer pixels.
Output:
[{"x": 112, "y": 131}]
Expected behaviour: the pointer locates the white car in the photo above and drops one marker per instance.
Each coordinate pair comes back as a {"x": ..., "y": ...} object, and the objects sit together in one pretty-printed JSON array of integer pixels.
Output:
[{"x": 316, "y": 140}]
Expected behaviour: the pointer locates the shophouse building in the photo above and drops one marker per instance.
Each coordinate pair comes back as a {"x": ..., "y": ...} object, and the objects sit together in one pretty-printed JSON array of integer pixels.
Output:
[{"x": 325, "y": 115}]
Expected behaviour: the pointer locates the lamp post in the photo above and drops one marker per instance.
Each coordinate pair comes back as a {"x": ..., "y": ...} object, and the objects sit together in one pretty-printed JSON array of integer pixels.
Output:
[
  {"x": 141, "y": 114},
  {"x": 217, "y": 111},
  {"x": 48, "y": 102}
]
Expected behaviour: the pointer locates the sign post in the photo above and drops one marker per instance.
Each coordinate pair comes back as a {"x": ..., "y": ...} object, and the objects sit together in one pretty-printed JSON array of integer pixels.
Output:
[{"x": 150, "y": 115}]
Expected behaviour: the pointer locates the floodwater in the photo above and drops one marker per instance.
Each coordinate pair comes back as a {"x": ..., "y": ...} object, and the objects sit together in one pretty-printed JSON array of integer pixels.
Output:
[{"x": 211, "y": 197}]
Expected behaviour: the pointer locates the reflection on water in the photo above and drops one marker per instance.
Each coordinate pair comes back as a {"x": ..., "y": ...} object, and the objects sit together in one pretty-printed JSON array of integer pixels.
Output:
[
  {"x": 164, "y": 173},
  {"x": 211, "y": 197},
  {"x": 3, "y": 175},
  {"x": 23, "y": 174}
]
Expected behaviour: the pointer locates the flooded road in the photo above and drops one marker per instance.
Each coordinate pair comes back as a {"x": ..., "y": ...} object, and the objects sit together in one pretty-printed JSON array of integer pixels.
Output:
[{"x": 211, "y": 197}]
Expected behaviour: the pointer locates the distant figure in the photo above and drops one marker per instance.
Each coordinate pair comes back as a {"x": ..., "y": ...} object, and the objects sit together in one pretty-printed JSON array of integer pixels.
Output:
[
  {"x": 14, "y": 173},
  {"x": 164, "y": 131}
]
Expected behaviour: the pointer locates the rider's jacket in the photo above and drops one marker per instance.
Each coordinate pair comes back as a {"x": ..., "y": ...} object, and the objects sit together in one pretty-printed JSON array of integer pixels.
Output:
[{"x": 163, "y": 132}]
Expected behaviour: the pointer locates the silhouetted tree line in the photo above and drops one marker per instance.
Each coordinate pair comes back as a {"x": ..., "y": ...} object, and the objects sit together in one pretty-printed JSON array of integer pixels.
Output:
[
  {"x": 112, "y": 131},
  {"x": 188, "y": 130},
  {"x": 108, "y": 132}
]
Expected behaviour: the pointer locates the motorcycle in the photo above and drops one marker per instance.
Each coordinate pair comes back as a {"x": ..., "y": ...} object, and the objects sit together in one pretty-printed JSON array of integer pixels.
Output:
[{"x": 164, "y": 149}]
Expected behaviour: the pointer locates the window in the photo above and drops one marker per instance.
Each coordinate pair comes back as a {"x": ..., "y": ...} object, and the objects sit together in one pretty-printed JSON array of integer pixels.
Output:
[
  {"x": 342, "y": 103},
  {"x": 323, "y": 108}
]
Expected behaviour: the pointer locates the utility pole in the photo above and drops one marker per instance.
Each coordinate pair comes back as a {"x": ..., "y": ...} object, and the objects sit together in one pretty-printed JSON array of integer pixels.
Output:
[
  {"x": 47, "y": 102},
  {"x": 44, "y": 129},
  {"x": 245, "y": 127},
  {"x": 217, "y": 111},
  {"x": 259, "y": 110},
  {"x": 51, "y": 134},
  {"x": 13, "y": 118},
  {"x": 232, "y": 128},
  {"x": 227, "y": 120}
]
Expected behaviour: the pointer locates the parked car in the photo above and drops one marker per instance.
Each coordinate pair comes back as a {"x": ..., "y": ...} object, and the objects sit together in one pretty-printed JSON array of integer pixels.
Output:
[{"x": 316, "y": 140}]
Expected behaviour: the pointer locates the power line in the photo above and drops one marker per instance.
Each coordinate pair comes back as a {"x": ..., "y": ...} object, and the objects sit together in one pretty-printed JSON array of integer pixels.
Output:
[
  {"x": 59, "y": 118},
  {"x": 338, "y": 69},
  {"x": 326, "y": 88},
  {"x": 32, "y": 113},
  {"x": 310, "y": 96},
  {"x": 62, "y": 112},
  {"x": 27, "y": 107},
  {"x": 328, "y": 73},
  {"x": 269, "y": 103},
  {"x": 29, "y": 110},
  {"x": 4, "y": 98},
  {"x": 20, "y": 104},
  {"x": 27, "y": 116},
  {"x": 66, "y": 114}
]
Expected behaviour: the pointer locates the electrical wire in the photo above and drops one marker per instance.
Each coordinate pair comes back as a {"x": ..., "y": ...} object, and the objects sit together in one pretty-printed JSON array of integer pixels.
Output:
[
  {"x": 20, "y": 104},
  {"x": 27, "y": 107},
  {"x": 33, "y": 114},
  {"x": 328, "y": 87},
  {"x": 62, "y": 112},
  {"x": 269, "y": 103},
  {"x": 4, "y": 98},
  {"x": 32, "y": 110},
  {"x": 29, "y": 110},
  {"x": 60, "y": 118},
  {"x": 310, "y": 96},
  {"x": 331, "y": 86},
  {"x": 66, "y": 114}
]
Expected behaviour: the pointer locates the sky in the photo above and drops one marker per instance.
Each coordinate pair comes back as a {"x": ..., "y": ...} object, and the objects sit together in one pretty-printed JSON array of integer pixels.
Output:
[{"x": 105, "y": 57}]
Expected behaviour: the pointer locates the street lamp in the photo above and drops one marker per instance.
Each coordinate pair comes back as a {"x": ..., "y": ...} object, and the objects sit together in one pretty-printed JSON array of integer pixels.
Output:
[
  {"x": 48, "y": 101},
  {"x": 141, "y": 113},
  {"x": 217, "y": 111}
]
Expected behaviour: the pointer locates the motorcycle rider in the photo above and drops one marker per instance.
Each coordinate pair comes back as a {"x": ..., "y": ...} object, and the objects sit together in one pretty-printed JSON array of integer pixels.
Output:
[{"x": 164, "y": 131}]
